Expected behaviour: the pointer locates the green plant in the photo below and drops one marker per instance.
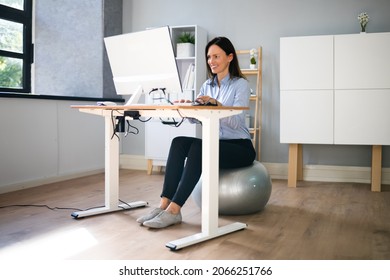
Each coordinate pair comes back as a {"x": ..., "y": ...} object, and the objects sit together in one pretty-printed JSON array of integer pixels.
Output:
[
  {"x": 186, "y": 37},
  {"x": 253, "y": 55},
  {"x": 253, "y": 60}
]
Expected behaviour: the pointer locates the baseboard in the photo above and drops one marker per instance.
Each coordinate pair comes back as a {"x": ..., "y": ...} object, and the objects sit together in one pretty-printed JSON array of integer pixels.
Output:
[
  {"x": 44, "y": 181},
  {"x": 328, "y": 173},
  {"x": 135, "y": 162}
]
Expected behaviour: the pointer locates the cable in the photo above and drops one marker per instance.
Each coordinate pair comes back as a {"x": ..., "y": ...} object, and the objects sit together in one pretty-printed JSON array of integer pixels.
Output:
[
  {"x": 124, "y": 202},
  {"x": 128, "y": 129},
  {"x": 114, "y": 126},
  {"x": 175, "y": 123},
  {"x": 145, "y": 120},
  {"x": 161, "y": 98},
  {"x": 59, "y": 208},
  {"x": 46, "y": 206}
]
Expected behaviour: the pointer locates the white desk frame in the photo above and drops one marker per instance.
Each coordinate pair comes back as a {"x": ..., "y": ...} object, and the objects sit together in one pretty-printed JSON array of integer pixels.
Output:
[
  {"x": 111, "y": 169},
  {"x": 209, "y": 116}
]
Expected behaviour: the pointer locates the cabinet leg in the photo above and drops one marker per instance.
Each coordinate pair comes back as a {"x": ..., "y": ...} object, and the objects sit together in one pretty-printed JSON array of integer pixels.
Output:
[
  {"x": 150, "y": 167},
  {"x": 295, "y": 165},
  {"x": 376, "y": 168},
  {"x": 300, "y": 163}
]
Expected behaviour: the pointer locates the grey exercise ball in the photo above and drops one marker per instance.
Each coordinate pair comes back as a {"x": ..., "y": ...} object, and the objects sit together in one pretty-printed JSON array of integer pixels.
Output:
[{"x": 242, "y": 191}]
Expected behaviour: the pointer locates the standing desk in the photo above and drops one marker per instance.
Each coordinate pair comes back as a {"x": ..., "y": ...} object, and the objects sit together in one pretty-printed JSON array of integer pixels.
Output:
[{"x": 209, "y": 116}]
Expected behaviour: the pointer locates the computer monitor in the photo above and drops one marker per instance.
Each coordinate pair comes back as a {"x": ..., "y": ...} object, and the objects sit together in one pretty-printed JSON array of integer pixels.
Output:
[{"x": 142, "y": 61}]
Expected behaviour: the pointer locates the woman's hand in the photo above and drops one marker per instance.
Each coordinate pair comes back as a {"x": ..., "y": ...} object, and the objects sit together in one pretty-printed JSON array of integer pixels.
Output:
[
  {"x": 205, "y": 100},
  {"x": 182, "y": 101}
]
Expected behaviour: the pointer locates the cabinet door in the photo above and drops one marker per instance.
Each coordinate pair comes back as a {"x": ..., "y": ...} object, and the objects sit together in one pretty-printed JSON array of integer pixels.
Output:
[
  {"x": 362, "y": 117},
  {"x": 158, "y": 137},
  {"x": 306, "y": 117},
  {"x": 157, "y": 140},
  {"x": 362, "y": 61},
  {"x": 306, "y": 63}
]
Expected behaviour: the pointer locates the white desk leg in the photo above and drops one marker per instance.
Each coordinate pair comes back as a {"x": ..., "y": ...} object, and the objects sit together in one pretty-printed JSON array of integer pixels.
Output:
[
  {"x": 111, "y": 176},
  {"x": 210, "y": 190}
]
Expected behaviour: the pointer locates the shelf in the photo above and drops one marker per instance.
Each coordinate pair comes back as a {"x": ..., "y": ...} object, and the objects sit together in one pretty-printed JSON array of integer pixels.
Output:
[
  {"x": 255, "y": 131},
  {"x": 250, "y": 71},
  {"x": 186, "y": 58}
]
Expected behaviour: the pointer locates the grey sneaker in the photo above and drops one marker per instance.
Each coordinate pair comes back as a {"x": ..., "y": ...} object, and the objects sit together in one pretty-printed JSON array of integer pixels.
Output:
[
  {"x": 149, "y": 216},
  {"x": 164, "y": 219}
]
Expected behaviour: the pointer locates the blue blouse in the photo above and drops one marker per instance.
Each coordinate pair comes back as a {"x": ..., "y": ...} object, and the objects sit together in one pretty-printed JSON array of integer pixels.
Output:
[{"x": 232, "y": 92}]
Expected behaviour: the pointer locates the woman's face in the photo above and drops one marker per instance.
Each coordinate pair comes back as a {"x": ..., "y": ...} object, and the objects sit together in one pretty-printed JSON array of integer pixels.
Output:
[{"x": 218, "y": 60}]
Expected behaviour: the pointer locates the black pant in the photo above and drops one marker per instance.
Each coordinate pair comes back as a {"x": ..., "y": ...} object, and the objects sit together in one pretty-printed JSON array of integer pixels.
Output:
[{"x": 184, "y": 165}]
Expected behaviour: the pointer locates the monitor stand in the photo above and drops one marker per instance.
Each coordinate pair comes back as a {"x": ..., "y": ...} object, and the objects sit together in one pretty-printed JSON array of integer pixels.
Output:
[{"x": 135, "y": 96}]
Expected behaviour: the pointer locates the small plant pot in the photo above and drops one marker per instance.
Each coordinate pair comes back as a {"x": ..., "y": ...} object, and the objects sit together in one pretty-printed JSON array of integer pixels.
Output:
[{"x": 185, "y": 50}]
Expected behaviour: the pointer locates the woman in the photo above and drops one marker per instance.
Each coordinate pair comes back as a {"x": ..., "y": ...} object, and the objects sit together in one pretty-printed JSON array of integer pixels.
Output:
[{"x": 226, "y": 86}]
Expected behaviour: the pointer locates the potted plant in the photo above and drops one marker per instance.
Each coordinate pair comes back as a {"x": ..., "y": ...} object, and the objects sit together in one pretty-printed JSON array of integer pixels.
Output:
[
  {"x": 253, "y": 55},
  {"x": 363, "y": 20},
  {"x": 185, "y": 45}
]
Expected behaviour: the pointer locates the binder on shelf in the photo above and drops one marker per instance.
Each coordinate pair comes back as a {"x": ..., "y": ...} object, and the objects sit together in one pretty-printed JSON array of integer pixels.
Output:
[{"x": 189, "y": 78}]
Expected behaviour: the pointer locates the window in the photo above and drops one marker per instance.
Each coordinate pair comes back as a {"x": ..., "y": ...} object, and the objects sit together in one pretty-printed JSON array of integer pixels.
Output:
[{"x": 16, "y": 49}]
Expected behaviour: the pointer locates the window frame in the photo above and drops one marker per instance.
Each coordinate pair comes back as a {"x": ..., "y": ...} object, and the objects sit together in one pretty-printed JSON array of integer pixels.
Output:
[{"x": 24, "y": 17}]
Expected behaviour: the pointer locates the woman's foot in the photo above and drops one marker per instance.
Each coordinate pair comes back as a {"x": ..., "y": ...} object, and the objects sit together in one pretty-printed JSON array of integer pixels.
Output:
[
  {"x": 163, "y": 219},
  {"x": 149, "y": 216}
]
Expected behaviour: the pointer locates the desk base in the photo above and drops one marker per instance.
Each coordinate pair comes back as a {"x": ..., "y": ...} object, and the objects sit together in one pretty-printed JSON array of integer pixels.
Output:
[
  {"x": 106, "y": 209},
  {"x": 200, "y": 237}
]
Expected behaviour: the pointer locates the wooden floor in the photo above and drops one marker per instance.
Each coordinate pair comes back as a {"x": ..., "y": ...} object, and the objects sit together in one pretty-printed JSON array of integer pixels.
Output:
[{"x": 315, "y": 221}]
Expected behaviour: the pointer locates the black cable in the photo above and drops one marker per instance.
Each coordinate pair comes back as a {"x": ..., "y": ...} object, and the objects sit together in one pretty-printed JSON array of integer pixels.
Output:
[
  {"x": 124, "y": 202},
  {"x": 175, "y": 123},
  {"x": 128, "y": 129},
  {"x": 46, "y": 206},
  {"x": 59, "y": 208},
  {"x": 113, "y": 126},
  {"x": 145, "y": 120},
  {"x": 160, "y": 98},
  {"x": 182, "y": 119}
]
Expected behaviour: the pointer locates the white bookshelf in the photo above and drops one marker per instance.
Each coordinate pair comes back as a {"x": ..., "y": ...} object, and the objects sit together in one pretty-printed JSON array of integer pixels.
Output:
[{"x": 158, "y": 136}]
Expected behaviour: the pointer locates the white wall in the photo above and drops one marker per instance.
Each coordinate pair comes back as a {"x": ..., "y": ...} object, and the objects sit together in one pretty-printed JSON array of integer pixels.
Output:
[
  {"x": 249, "y": 23},
  {"x": 45, "y": 141}
]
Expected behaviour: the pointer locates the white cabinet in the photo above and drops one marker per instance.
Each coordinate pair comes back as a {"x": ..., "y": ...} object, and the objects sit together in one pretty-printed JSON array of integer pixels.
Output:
[
  {"x": 306, "y": 84},
  {"x": 158, "y": 136},
  {"x": 157, "y": 145},
  {"x": 347, "y": 109},
  {"x": 335, "y": 90}
]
